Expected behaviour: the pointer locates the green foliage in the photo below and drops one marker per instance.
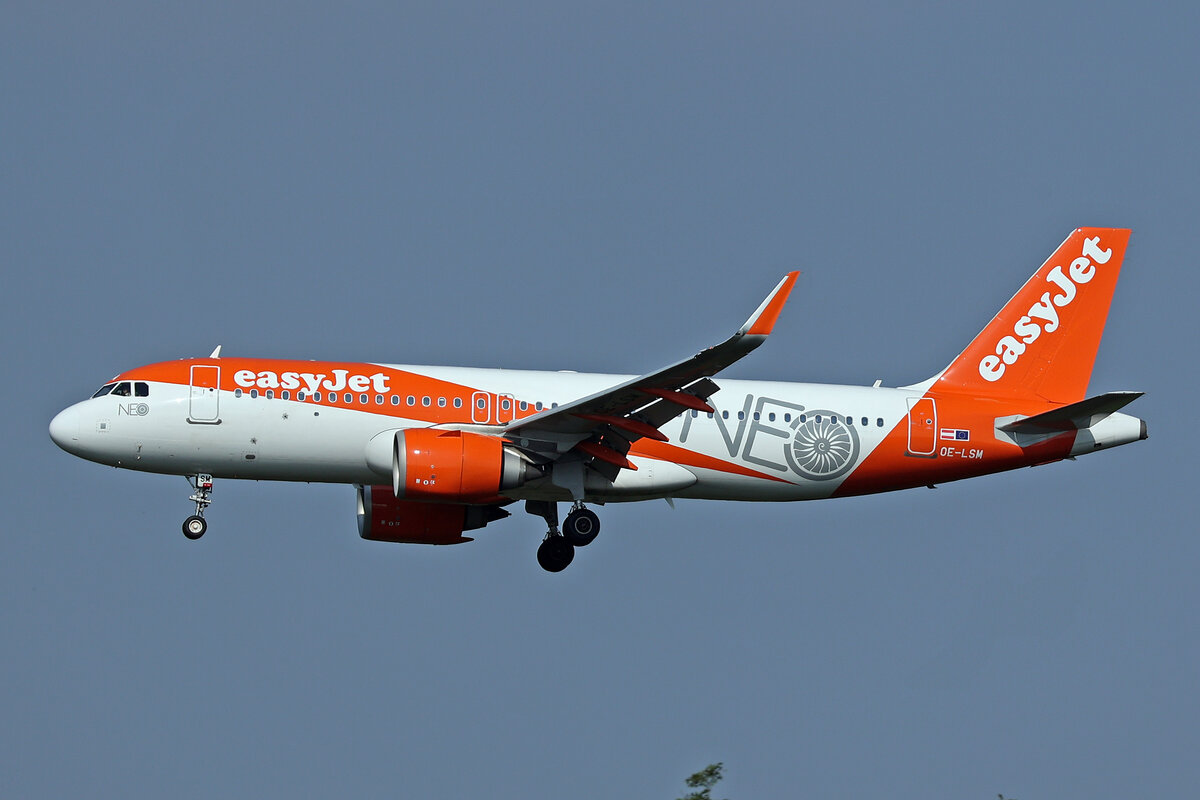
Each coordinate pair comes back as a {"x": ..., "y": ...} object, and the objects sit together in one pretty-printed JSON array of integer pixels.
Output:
[{"x": 703, "y": 781}]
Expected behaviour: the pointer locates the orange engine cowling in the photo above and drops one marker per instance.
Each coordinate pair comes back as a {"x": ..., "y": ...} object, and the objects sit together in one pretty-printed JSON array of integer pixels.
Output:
[
  {"x": 453, "y": 466},
  {"x": 383, "y": 518}
]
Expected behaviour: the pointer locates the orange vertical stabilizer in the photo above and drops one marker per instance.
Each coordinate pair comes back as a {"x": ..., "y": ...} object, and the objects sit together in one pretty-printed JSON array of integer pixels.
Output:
[{"x": 1043, "y": 343}]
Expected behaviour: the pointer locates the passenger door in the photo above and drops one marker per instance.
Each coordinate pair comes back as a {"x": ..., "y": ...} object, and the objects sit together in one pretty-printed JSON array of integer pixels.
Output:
[
  {"x": 204, "y": 402},
  {"x": 922, "y": 426}
]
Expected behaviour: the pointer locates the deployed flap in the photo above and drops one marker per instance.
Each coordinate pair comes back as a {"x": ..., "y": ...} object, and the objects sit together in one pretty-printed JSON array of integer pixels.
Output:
[
  {"x": 652, "y": 399},
  {"x": 1074, "y": 417}
]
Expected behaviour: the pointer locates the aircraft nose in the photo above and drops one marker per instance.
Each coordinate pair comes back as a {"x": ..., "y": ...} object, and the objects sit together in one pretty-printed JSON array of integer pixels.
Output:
[{"x": 64, "y": 429}]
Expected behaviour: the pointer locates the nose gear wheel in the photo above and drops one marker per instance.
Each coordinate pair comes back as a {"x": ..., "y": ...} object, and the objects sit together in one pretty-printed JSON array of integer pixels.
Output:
[{"x": 195, "y": 526}]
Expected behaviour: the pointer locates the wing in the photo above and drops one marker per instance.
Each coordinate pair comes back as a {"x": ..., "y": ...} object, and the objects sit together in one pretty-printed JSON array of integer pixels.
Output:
[{"x": 602, "y": 426}]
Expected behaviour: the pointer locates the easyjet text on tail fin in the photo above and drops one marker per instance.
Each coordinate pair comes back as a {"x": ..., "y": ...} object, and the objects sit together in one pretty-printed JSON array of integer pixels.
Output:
[{"x": 1044, "y": 341}]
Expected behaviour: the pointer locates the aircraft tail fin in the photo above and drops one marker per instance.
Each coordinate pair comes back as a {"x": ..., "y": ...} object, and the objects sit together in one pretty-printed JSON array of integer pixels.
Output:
[{"x": 1043, "y": 342}]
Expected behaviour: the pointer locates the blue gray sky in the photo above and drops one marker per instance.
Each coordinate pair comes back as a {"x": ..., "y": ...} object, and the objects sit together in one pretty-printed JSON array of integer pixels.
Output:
[{"x": 601, "y": 188}]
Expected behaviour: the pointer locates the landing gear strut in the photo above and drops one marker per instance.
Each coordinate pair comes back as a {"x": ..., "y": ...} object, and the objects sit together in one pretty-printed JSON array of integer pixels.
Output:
[
  {"x": 557, "y": 550},
  {"x": 195, "y": 525},
  {"x": 555, "y": 553}
]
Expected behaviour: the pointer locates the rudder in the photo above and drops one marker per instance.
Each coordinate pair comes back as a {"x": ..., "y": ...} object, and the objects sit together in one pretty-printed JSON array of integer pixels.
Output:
[{"x": 1043, "y": 342}]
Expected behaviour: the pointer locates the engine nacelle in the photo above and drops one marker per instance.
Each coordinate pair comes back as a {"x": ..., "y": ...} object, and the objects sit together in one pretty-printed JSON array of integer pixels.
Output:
[
  {"x": 383, "y": 518},
  {"x": 448, "y": 466}
]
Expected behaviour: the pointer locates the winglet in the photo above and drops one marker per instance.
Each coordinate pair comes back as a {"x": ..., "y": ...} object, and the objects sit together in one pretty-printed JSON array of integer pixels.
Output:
[
  {"x": 216, "y": 353},
  {"x": 762, "y": 321}
]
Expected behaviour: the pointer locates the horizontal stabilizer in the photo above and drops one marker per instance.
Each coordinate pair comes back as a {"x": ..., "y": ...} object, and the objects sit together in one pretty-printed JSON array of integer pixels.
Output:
[{"x": 1074, "y": 417}]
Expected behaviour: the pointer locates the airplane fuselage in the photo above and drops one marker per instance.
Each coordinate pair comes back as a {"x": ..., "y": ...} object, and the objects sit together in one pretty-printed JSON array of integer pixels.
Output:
[{"x": 765, "y": 440}]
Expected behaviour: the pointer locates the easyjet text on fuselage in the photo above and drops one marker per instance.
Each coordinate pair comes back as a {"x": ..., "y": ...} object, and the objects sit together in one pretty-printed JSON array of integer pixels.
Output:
[{"x": 334, "y": 381}]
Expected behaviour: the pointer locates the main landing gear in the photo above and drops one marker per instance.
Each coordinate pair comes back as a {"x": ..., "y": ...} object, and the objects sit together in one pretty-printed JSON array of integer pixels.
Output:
[
  {"x": 195, "y": 525},
  {"x": 580, "y": 529}
]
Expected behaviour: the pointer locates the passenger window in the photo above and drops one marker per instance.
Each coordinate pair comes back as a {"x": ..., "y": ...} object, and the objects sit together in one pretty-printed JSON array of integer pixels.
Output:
[
  {"x": 349, "y": 398},
  {"x": 865, "y": 422},
  {"x": 757, "y": 416},
  {"x": 362, "y": 398},
  {"x": 879, "y": 422},
  {"x": 378, "y": 399},
  {"x": 804, "y": 417},
  {"x": 395, "y": 399},
  {"x": 121, "y": 389},
  {"x": 505, "y": 404},
  {"x": 285, "y": 395},
  {"x": 253, "y": 393},
  {"x": 316, "y": 396},
  {"x": 141, "y": 389},
  {"x": 425, "y": 401},
  {"x": 724, "y": 415},
  {"x": 441, "y": 402},
  {"x": 458, "y": 402},
  {"x": 771, "y": 416},
  {"x": 481, "y": 403},
  {"x": 237, "y": 392},
  {"x": 412, "y": 401},
  {"x": 270, "y": 394},
  {"x": 299, "y": 395},
  {"x": 524, "y": 406},
  {"x": 103, "y": 390},
  {"x": 787, "y": 417},
  {"x": 538, "y": 405},
  {"x": 741, "y": 415}
]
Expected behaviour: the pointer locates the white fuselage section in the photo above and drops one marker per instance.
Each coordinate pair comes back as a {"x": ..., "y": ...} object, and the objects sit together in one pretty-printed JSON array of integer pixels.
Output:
[{"x": 747, "y": 450}]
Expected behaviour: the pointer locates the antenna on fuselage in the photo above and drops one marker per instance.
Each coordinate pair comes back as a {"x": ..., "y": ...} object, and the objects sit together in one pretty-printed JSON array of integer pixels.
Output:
[{"x": 216, "y": 353}]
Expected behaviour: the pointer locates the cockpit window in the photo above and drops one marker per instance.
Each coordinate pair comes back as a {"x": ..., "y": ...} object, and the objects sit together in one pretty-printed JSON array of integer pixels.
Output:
[
  {"x": 121, "y": 389},
  {"x": 103, "y": 390},
  {"x": 141, "y": 389}
]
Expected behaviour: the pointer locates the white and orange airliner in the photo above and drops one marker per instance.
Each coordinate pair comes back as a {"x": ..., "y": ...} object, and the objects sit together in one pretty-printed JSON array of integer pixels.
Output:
[{"x": 435, "y": 452}]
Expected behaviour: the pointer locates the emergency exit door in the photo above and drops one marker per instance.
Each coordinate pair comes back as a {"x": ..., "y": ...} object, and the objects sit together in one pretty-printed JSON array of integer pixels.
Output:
[{"x": 204, "y": 403}]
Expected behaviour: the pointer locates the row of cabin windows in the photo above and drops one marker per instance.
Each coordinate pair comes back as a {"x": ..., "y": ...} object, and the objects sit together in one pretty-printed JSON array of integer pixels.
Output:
[
  {"x": 364, "y": 399},
  {"x": 787, "y": 417},
  {"x": 124, "y": 389},
  {"x": 142, "y": 390}
]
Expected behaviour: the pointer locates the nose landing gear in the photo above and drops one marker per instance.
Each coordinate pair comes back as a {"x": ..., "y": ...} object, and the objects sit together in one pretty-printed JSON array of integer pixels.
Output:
[{"x": 195, "y": 525}]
